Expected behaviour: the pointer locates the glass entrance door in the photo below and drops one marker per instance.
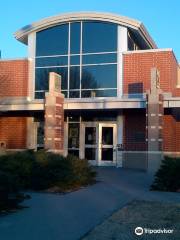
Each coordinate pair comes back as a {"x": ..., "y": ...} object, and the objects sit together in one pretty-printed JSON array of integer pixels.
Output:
[
  {"x": 91, "y": 142},
  {"x": 107, "y": 143},
  {"x": 99, "y": 144}
]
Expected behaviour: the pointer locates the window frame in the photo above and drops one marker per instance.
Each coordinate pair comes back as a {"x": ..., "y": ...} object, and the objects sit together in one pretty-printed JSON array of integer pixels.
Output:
[{"x": 81, "y": 65}]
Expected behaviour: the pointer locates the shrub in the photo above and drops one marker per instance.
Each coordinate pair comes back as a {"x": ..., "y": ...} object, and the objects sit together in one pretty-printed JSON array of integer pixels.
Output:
[
  {"x": 9, "y": 195},
  {"x": 82, "y": 172},
  {"x": 167, "y": 177},
  {"x": 42, "y": 170},
  {"x": 19, "y": 167},
  {"x": 47, "y": 169},
  {"x": 64, "y": 172}
]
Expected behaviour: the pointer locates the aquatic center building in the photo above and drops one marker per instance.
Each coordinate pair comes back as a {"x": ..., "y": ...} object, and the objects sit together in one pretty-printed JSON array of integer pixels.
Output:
[{"x": 94, "y": 85}]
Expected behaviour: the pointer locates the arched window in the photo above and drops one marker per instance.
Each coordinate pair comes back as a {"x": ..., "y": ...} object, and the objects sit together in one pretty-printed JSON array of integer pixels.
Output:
[{"x": 84, "y": 53}]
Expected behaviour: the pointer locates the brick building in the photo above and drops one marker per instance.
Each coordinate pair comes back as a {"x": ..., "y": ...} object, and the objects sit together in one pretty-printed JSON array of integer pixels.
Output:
[{"x": 94, "y": 85}]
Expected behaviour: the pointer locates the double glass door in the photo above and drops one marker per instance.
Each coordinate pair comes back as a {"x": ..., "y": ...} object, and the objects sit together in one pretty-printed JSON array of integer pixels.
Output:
[{"x": 100, "y": 140}]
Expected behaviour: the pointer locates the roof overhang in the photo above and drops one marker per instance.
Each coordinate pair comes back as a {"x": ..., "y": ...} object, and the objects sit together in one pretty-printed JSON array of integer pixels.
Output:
[
  {"x": 25, "y": 104},
  {"x": 22, "y": 34}
]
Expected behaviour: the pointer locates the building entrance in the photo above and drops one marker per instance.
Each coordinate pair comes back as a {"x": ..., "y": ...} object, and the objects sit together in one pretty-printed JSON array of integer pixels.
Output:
[{"x": 99, "y": 145}]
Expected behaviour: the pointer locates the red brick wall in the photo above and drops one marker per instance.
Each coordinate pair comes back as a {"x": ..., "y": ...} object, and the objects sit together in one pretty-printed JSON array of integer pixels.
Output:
[
  {"x": 137, "y": 70},
  {"x": 13, "y": 132},
  {"x": 135, "y": 122},
  {"x": 13, "y": 78},
  {"x": 134, "y": 130},
  {"x": 171, "y": 131}
]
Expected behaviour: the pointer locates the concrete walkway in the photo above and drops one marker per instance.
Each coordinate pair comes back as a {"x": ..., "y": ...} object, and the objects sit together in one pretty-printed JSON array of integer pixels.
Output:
[{"x": 70, "y": 216}]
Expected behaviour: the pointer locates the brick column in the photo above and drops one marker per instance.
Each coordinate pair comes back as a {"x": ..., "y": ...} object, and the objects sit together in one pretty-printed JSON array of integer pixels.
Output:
[
  {"x": 54, "y": 116},
  {"x": 154, "y": 115}
]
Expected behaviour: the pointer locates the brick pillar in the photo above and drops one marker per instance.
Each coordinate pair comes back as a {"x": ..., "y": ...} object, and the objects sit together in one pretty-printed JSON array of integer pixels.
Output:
[
  {"x": 54, "y": 115},
  {"x": 154, "y": 116}
]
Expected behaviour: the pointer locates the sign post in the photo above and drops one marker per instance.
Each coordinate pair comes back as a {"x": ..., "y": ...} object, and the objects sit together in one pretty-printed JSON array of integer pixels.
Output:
[
  {"x": 54, "y": 115},
  {"x": 154, "y": 120}
]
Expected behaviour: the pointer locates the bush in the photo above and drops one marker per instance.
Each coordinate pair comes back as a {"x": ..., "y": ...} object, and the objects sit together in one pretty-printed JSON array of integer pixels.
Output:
[
  {"x": 64, "y": 172},
  {"x": 167, "y": 177},
  {"x": 9, "y": 195},
  {"x": 42, "y": 170}
]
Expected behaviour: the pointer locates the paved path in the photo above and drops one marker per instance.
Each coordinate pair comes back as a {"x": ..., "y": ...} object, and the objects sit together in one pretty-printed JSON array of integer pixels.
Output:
[{"x": 70, "y": 216}]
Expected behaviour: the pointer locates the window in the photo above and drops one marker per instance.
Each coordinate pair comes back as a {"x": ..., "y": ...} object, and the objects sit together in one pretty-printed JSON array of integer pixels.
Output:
[
  {"x": 131, "y": 46},
  {"x": 74, "y": 78},
  {"x": 75, "y": 60},
  {"x": 42, "y": 76},
  {"x": 73, "y": 139},
  {"x": 52, "y": 41},
  {"x": 98, "y": 93},
  {"x": 51, "y": 61},
  {"x": 75, "y": 38},
  {"x": 132, "y": 42},
  {"x": 99, "y": 58},
  {"x": 85, "y": 57},
  {"x": 99, "y": 76},
  {"x": 99, "y": 37}
]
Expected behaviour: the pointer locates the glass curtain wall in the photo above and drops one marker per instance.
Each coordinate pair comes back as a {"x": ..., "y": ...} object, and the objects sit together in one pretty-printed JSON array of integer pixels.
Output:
[{"x": 83, "y": 53}]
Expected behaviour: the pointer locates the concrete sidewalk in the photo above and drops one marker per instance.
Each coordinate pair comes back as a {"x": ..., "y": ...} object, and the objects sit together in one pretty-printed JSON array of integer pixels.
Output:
[{"x": 70, "y": 216}]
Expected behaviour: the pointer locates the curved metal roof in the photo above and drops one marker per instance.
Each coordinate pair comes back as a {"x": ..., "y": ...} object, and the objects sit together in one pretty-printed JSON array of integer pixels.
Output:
[{"x": 22, "y": 34}]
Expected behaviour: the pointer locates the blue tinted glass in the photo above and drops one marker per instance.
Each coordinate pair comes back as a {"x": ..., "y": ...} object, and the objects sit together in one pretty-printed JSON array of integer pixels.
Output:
[
  {"x": 52, "y": 41},
  {"x": 42, "y": 77},
  {"x": 99, "y": 93},
  {"x": 100, "y": 76},
  {"x": 74, "y": 77},
  {"x": 100, "y": 58},
  {"x": 75, "y": 37},
  {"x": 39, "y": 95},
  {"x": 74, "y": 94},
  {"x": 99, "y": 37},
  {"x": 75, "y": 60},
  {"x": 51, "y": 61}
]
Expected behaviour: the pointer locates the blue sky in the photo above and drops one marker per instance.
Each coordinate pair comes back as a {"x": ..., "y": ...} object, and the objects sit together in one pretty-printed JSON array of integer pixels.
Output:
[{"x": 161, "y": 18}]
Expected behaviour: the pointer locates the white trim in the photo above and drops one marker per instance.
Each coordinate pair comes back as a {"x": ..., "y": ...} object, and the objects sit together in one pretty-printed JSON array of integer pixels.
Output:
[
  {"x": 69, "y": 49},
  {"x": 66, "y": 138},
  {"x": 122, "y": 39},
  {"x": 97, "y": 146},
  {"x": 94, "y": 64},
  {"x": 31, "y": 140},
  {"x": 99, "y": 53},
  {"x": 87, "y": 89},
  {"x": 52, "y": 56},
  {"x": 149, "y": 50},
  {"x": 31, "y": 70},
  {"x": 82, "y": 141},
  {"x": 81, "y": 39},
  {"x": 78, "y": 65},
  {"x": 101, "y": 145},
  {"x": 21, "y": 34},
  {"x": 54, "y": 66},
  {"x": 122, "y": 46},
  {"x": 152, "y": 152},
  {"x": 120, "y": 128},
  {"x": 12, "y": 104},
  {"x": 12, "y": 59},
  {"x": 76, "y": 54}
]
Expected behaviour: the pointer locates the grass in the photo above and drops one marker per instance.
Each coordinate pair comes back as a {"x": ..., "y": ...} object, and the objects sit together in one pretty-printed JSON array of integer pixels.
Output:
[{"x": 145, "y": 214}]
